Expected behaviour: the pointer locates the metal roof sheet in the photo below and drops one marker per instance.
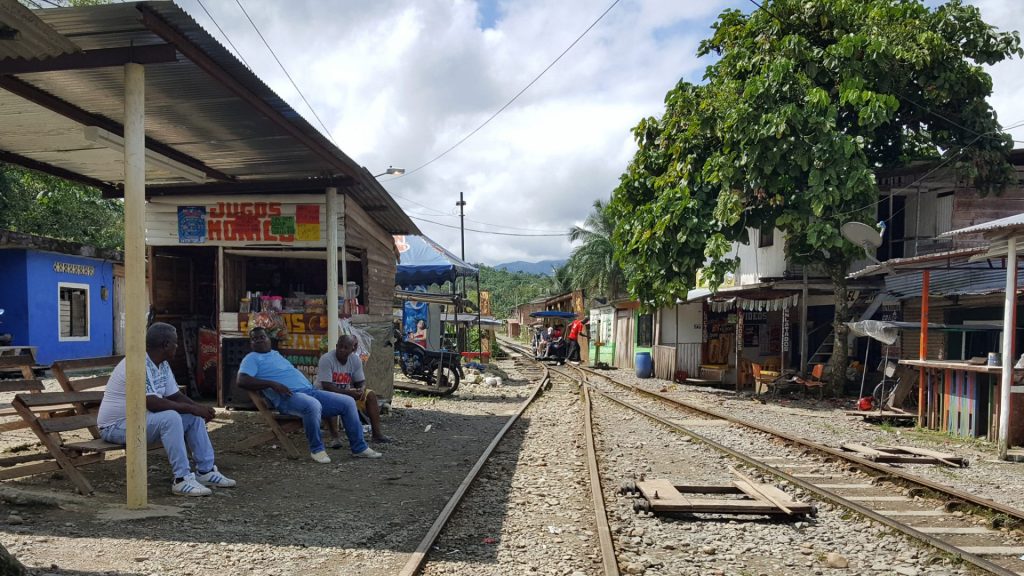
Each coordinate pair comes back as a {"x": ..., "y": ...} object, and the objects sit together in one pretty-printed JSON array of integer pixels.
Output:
[
  {"x": 917, "y": 262},
  {"x": 1008, "y": 224},
  {"x": 976, "y": 279},
  {"x": 206, "y": 105},
  {"x": 24, "y": 35}
]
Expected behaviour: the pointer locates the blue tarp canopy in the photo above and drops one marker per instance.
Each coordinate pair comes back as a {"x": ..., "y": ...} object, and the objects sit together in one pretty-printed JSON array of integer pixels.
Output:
[
  {"x": 423, "y": 262},
  {"x": 552, "y": 314}
]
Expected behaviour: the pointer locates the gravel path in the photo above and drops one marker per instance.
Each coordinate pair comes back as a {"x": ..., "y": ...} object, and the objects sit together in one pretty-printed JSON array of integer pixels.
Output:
[
  {"x": 530, "y": 510},
  {"x": 529, "y": 514},
  {"x": 631, "y": 445},
  {"x": 286, "y": 517},
  {"x": 824, "y": 421}
]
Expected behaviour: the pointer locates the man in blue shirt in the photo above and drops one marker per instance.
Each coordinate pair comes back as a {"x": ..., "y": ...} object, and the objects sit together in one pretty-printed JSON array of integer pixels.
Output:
[{"x": 288, "y": 390}]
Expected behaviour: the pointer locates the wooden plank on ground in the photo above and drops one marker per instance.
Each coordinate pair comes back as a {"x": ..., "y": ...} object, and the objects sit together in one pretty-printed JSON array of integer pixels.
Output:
[
  {"x": 862, "y": 449},
  {"x": 947, "y": 459},
  {"x": 761, "y": 492},
  {"x": 661, "y": 494}
]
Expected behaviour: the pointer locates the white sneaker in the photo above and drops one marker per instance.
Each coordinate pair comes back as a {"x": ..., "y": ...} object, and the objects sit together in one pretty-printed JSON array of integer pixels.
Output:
[
  {"x": 368, "y": 453},
  {"x": 216, "y": 479},
  {"x": 321, "y": 457},
  {"x": 190, "y": 487}
]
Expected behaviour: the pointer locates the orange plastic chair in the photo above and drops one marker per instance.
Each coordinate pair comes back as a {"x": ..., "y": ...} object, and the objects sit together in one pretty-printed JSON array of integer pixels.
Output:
[{"x": 815, "y": 380}]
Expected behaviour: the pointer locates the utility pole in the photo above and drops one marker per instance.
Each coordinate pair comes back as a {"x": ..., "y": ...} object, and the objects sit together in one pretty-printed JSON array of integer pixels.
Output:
[
  {"x": 462, "y": 229},
  {"x": 462, "y": 237}
]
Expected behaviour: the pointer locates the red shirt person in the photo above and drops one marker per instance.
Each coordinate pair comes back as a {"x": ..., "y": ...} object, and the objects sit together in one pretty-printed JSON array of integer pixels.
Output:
[{"x": 575, "y": 329}]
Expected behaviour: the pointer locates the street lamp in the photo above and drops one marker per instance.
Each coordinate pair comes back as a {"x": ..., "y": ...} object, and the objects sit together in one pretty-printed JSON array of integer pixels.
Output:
[{"x": 391, "y": 171}]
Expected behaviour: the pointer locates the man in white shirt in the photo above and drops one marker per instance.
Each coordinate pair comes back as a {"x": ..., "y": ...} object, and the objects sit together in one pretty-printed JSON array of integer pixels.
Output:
[
  {"x": 341, "y": 371},
  {"x": 171, "y": 417}
]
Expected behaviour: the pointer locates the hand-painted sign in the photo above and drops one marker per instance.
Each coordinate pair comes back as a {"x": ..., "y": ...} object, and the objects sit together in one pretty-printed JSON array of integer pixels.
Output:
[{"x": 248, "y": 221}]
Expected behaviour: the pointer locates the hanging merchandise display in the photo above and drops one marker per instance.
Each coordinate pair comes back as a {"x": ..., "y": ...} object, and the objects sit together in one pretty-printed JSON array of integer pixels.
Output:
[{"x": 771, "y": 305}]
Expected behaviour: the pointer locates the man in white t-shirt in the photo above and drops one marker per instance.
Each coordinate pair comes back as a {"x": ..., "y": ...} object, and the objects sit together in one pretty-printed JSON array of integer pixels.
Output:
[
  {"x": 171, "y": 417},
  {"x": 341, "y": 371}
]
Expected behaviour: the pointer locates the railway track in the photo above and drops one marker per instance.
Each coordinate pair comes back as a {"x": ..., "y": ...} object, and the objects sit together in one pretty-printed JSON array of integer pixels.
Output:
[
  {"x": 950, "y": 526},
  {"x": 942, "y": 517},
  {"x": 418, "y": 558}
]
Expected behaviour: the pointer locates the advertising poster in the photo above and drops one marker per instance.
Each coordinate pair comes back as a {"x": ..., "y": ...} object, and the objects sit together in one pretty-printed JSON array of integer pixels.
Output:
[{"x": 191, "y": 224}]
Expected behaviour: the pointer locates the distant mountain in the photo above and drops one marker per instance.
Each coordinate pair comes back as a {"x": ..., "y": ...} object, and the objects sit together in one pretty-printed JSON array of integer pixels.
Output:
[{"x": 544, "y": 267}]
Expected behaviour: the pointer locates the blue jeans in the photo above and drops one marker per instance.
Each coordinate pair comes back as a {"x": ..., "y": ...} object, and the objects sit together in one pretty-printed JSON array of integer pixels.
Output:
[
  {"x": 312, "y": 405},
  {"x": 174, "y": 431}
]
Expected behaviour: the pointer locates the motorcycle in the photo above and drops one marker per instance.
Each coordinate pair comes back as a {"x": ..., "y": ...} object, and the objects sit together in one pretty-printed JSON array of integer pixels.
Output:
[
  {"x": 440, "y": 369},
  {"x": 5, "y": 338}
]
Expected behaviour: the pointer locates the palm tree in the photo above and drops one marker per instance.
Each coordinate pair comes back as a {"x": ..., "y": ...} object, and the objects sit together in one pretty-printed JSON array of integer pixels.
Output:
[
  {"x": 560, "y": 280},
  {"x": 591, "y": 265}
]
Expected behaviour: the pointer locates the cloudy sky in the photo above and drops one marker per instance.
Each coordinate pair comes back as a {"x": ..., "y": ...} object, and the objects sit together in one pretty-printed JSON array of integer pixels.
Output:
[{"x": 397, "y": 83}]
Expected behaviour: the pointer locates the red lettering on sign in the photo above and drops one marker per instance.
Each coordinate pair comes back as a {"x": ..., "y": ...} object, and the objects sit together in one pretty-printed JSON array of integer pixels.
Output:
[{"x": 244, "y": 222}]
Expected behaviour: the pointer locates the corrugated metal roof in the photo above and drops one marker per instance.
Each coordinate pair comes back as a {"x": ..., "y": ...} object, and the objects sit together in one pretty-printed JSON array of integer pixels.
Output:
[
  {"x": 196, "y": 105},
  {"x": 974, "y": 279},
  {"x": 24, "y": 35},
  {"x": 1010, "y": 223},
  {"x": 918, "y": 262}
]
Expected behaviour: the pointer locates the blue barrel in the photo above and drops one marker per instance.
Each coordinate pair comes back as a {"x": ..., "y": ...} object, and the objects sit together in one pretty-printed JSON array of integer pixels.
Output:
[{"x": 644, "y": 365}]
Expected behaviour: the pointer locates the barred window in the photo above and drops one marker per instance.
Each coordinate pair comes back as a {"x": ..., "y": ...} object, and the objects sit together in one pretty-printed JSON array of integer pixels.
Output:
[{"x": 73, "y": 311}]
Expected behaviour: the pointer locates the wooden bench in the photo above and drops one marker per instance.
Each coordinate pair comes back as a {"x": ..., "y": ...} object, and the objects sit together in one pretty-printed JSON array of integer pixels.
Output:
[
  {"x": 64, "y": 369},
  {"x": 13, "y": 357},
  {"x": 63, "y": 456},
  {"x": 280, "y": 425},
  {"x": 22, "y": 364},
  {"x": 47, "y": 415}
]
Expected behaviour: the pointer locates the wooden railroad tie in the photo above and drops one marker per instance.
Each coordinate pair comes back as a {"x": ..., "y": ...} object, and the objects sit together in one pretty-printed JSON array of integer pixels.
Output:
[
  {"x": 904, "y": 455},
  {"x": 663, "y": 497},
  {"x": 892, "y": 415}
]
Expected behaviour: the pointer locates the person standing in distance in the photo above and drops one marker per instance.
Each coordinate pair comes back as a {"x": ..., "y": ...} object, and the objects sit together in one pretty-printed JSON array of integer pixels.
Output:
[{"x": 575, "y": 329}]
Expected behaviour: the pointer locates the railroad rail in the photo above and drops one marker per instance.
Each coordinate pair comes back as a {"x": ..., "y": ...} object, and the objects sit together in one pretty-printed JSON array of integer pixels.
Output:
[
  {"x": 419, "y": 556},
  {"x": 829, "y": 491},
  {"x": 960, "y": 495}
]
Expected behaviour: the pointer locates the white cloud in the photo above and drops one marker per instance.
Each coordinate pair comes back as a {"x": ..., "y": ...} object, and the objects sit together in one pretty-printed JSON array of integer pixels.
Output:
[{"x": 399, "y": 82}]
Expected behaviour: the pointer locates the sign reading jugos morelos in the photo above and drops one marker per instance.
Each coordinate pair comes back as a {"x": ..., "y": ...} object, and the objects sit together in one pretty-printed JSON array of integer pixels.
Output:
[{"x": 236, "y": 221}]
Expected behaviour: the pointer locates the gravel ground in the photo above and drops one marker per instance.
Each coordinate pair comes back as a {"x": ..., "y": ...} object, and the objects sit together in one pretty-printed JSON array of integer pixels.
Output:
[
  {"x": 530, "y": 510},
  {"x": 824, "y": 421},
  {"x": 631, "y": 445},
  {"x": 529, "y": 514},
  {"x": 359, "y": 517}
]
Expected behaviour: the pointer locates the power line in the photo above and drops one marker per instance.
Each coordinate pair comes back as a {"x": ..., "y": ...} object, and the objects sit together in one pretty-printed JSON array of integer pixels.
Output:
[
  {"x": 285, "y": 70},
  {"x": 224, "y": 34},
  {"x": 543, "y": 230},
  {"x": 513, "y": 99},
  {"x": 489, "y": 231}
]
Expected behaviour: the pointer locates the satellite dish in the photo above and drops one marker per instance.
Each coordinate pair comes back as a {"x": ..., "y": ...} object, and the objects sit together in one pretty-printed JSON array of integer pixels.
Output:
[{"x": 862, "y": 235}]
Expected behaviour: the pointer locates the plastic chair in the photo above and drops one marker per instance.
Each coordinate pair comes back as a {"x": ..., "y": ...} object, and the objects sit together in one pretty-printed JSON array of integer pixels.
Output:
[
  {"x": 815, "y": 380},
  {"x": 762, "y": 383}
]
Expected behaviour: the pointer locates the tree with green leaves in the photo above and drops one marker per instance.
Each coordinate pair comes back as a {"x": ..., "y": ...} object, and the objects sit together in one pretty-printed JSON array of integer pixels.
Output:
[
  {"x": 45, "y": 205},
  {"x": 592, "y": 266},
  {"x": 560, "y": 280},
  {"x": 806, "y": 101}
]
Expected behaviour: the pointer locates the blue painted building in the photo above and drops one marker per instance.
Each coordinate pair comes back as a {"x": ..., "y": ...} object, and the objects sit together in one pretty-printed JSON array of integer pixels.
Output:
[{"x": 58, "y": 297}]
